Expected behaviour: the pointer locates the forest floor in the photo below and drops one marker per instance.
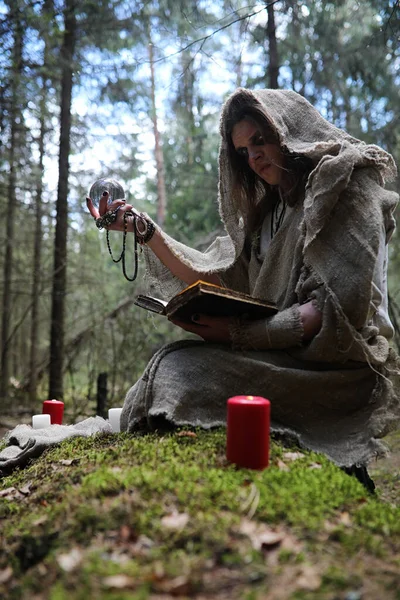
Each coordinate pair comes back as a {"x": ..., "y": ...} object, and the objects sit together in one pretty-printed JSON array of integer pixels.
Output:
[{"x": 162, "y": 516}]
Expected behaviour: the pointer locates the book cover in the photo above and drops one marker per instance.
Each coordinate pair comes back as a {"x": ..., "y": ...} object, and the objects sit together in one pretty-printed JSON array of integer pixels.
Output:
[{"x": 208, "y": 299}]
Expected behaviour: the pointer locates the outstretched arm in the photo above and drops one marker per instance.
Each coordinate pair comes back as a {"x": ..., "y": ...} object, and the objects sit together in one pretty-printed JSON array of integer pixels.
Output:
[
  {"x": 175, "y": 265},
  {"x": 156, "y": 243}
]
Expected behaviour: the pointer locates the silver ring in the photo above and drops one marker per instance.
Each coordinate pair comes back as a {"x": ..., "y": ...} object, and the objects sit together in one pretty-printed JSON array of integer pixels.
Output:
[{"x": 107, "y": 219}]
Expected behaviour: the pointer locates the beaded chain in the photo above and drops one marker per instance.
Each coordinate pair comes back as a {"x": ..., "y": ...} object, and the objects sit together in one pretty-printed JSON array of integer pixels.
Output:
[{"x": 123, "y": 252}]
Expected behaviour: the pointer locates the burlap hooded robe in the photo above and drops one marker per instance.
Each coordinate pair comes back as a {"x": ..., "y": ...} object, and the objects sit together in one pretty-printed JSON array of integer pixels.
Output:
[{"x": 336, "y": 394}]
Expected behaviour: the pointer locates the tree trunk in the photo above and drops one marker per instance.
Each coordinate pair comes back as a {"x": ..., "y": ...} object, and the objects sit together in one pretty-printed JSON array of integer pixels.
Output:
[
  {"x": 15, "y": 119},
  {"x": 161, "y": 191},
  {"x": 47, "y": 13},
  {"x": 60, "y": 242},
  {"x": 187, "y": 97},
  {"x": 273, "y": 64},
  {"x": 101, "y": 397}
]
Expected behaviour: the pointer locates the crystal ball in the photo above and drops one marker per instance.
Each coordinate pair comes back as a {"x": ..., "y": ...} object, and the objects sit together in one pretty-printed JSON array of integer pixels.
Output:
[{"x": 106, "y": 184}]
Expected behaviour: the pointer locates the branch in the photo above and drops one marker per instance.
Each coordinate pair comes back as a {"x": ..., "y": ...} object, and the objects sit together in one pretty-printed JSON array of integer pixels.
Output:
[
  {"x": 396, "y": 5},
  {"x": 210, "y": 35},
  {"x": 74, "y": 344}
]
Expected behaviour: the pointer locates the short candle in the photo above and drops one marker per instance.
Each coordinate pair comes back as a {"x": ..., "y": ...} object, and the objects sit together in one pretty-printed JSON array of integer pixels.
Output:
[
  {"x": 40, "y": 421},
  {"x": 54, "y": 408},
  {"x": 248, "y": 425},
  {"x": 114, "y": 416}
]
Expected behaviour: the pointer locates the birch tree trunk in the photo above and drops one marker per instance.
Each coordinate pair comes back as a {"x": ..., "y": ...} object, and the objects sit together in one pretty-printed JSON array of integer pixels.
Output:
[{"x": 60, "y": 241}]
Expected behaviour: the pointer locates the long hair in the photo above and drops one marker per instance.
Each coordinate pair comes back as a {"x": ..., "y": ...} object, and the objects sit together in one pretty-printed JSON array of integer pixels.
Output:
[{"x": 255, "y": 197}]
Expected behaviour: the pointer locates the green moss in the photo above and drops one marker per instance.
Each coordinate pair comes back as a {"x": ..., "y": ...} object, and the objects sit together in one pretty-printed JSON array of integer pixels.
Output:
[
  {"x": 107, "y": 494},
  {"x": 380, "y": 518}
]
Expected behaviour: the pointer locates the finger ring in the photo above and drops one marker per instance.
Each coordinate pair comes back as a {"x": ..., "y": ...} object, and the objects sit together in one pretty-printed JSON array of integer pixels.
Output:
[{"x": 107, "y": 219}]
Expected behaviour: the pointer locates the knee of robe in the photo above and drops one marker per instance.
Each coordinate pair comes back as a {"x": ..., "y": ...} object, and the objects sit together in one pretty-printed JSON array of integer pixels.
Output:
[
  {"x": 189, "y": 387},
  {"x": 132, "y": 410},
  {"x": 191, "y": 365},
  {"x": 179, "y": 371}
]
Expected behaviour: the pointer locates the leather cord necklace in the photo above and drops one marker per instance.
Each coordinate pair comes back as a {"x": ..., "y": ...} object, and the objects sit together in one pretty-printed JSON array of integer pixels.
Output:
[{"x": 277, "y": 217}]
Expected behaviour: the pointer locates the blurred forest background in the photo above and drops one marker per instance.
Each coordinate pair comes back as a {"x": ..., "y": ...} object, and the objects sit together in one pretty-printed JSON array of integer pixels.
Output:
[{"x": 133, "y": 90}]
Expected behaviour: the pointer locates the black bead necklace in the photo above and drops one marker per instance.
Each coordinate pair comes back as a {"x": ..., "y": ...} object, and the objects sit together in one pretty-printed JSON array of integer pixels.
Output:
[{"x": 121, "y": 257}]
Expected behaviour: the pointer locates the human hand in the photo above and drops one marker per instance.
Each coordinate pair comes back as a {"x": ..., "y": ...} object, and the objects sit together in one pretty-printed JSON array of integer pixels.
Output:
[
  {"x": 119, "y": 207},
  {"x": 211, "y": 329}
]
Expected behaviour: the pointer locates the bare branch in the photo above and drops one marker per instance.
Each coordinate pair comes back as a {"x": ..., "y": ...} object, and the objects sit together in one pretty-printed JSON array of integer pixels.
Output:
[
  {"x": 204, "y": 39},
  {"x": 396, "y": 6}
]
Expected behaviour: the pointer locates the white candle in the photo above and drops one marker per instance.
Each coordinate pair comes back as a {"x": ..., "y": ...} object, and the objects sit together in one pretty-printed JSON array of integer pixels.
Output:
[
  {"x": 41, "y": 421},
  {"x": 114, "y": 416}
]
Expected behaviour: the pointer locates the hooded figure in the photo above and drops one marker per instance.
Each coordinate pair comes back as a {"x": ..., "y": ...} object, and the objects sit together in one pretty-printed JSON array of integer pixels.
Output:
[{"x": 323, "y": 239}]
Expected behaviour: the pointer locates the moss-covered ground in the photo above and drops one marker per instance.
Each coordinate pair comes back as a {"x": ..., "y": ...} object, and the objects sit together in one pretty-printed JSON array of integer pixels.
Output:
[{"x": 162, "y": 516}]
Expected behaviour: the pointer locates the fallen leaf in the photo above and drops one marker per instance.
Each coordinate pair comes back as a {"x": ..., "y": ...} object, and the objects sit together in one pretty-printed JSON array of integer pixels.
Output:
[
  {"x": 144, "y": 542},
  {"x": 179, "y": 586},
  {"x": 11, "y": 493},
  {"x": 70, "y": 560},
  {"x": 175, "y": 520},
  {"x": 329, "y": 526},
  {"x": 26, "y": 490},
  {"x": 289, "y": 543},
  {"x": 68, "y": 462},
  {"x": 293, "y": 455},
  {"x": 345, "y": 519},
  {"x": 6, "y": 574},
  {"x": 282, "y": 466},
  {"x": 315, "y": 465},
  {"x": 142, "y": 546},
  {"x": 118, "y": 581},
  {"x": 158, "y": 570},
  {"x": 309, "y": 578},
  {"x": 260, "y": 535},
  {"x": 127, "y": 534},
  {"x": 40, "y": 521},
  {"x": 7, "y": 491},
  {"x": 187, "y": 434},
  {"x": 292, "y": 544}
]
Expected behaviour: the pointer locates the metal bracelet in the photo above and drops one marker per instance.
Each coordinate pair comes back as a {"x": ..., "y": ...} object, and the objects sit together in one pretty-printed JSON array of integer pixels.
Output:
[
  {"x": 147, "y": 231},
  {"x": 142, "y": 221}
]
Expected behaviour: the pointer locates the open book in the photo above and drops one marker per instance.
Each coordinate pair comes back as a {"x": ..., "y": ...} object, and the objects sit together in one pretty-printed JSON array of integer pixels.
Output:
[{"x": 208, "y": 299}]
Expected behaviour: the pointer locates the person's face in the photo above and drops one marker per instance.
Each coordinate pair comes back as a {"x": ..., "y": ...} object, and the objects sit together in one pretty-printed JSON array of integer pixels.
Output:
[{"x": 264, "y": 158}]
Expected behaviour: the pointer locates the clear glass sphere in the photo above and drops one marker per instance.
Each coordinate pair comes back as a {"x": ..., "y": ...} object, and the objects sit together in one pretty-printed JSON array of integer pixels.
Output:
[{"x": 106, "y": 184}]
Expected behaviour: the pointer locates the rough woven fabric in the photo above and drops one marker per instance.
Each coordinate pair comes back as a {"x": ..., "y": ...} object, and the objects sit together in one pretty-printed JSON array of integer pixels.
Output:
[
  {"x": 25, "y": 443},
  {"x": 283, "y": 330},
  {"x": 339, "y": 392}
]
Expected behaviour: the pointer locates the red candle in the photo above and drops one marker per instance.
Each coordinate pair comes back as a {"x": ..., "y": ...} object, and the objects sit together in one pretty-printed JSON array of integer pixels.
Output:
[
  {"x": 54, "y": 408},
  {"x": 247, "y": 443}
]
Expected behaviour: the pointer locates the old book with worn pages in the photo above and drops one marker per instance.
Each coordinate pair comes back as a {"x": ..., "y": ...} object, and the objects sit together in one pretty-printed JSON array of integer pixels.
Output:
[{"x": 208, "y": 299}]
